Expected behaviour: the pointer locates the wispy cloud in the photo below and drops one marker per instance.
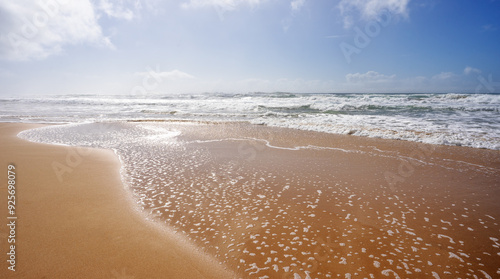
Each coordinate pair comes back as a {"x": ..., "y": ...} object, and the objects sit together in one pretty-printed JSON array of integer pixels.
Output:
[
  {"x": 469, "y": 70},
  {"x": 336, "y": 36},
  {"x": 373, "y": 81},
  {"x": 220, "y": 6},
  {"x": 227, "y": 5},
  {"x": 488, "y": 27},
  {"x": 444, "y": 76},
  {"x": 116, "y": 9},
  {"x": 38, "y": 29},
  {"x": 128, "y": 9},
  {"x": 371, "y": 9},
  {"x": 370, "y": 76},
  {"x": 296, "y": 5},
  {"x": 169, "y": 75},
  {"x": 295, "y": 8}
]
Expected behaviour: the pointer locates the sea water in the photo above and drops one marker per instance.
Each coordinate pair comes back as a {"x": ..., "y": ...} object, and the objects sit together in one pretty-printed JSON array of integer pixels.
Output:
[{"x": 450, "y": 119}]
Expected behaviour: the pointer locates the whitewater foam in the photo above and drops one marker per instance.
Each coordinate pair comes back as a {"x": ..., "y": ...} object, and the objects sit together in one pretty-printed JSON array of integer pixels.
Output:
[{"x": 451, "y": 119}]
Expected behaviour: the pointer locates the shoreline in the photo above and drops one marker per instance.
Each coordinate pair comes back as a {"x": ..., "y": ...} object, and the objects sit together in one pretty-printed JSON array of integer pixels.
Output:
[
  {"x": 248, "y": 122},
  {"x": 86, "y": 226}
]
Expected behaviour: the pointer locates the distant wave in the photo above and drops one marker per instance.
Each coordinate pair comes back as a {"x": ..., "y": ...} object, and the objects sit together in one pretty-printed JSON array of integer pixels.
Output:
[{"x": 454, "y": 119}]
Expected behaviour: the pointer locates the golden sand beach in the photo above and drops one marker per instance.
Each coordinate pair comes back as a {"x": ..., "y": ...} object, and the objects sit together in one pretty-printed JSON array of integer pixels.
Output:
[{"x": 262, "y": 202}]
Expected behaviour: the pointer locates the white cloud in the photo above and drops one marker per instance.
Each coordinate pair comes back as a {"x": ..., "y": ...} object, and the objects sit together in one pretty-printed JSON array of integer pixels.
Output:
[
  {"x": 469, "y": 70},
  {"x": 370, "y": 76},
  {"x": 444, "y": 75},
  {"x": 127, "y": 9},
  {"x": 227, "y": 5},
  {"x": 268, "y": 85},
  {"x": 296, "y": 5},
  {"x": 38, "y": 29},
  {"x": 170, "y": 75},
  {"x": 116, "y": 9},
  {"x": 371, "y": 9},
  {"x": 373, "y": 81},
  {"x": 220, "y": 6}
]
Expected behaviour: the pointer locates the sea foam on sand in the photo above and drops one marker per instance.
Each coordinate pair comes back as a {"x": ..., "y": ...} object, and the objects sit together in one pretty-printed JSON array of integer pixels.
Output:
[{"x": 270, "y": 202}]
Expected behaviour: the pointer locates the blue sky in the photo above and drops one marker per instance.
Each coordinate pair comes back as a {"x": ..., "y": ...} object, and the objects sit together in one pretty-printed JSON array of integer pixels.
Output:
[{"x": 193, "y": 46}]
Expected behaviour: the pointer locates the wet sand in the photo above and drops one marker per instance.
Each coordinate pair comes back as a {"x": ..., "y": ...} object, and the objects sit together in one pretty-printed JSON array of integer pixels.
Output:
[
  {"x": 85, "y": 226},
  {"x": 276, "y": 203},
  {"x": 281, "y": 203}
]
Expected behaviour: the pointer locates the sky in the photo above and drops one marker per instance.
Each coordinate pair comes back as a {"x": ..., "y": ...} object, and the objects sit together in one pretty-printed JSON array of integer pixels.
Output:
[{"x": 54, "y": 47}]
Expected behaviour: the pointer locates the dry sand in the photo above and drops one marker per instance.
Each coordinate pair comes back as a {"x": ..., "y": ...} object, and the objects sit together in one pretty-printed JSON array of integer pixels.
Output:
[{"x": 85, "y": 226}]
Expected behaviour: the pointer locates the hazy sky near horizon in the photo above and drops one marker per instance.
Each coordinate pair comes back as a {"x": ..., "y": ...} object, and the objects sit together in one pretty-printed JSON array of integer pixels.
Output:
[{"x": 193, "y": 46}]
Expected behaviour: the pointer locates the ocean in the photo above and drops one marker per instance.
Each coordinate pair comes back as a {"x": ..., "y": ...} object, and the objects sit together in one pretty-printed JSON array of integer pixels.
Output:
[{"x": 471, "y": 120}]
